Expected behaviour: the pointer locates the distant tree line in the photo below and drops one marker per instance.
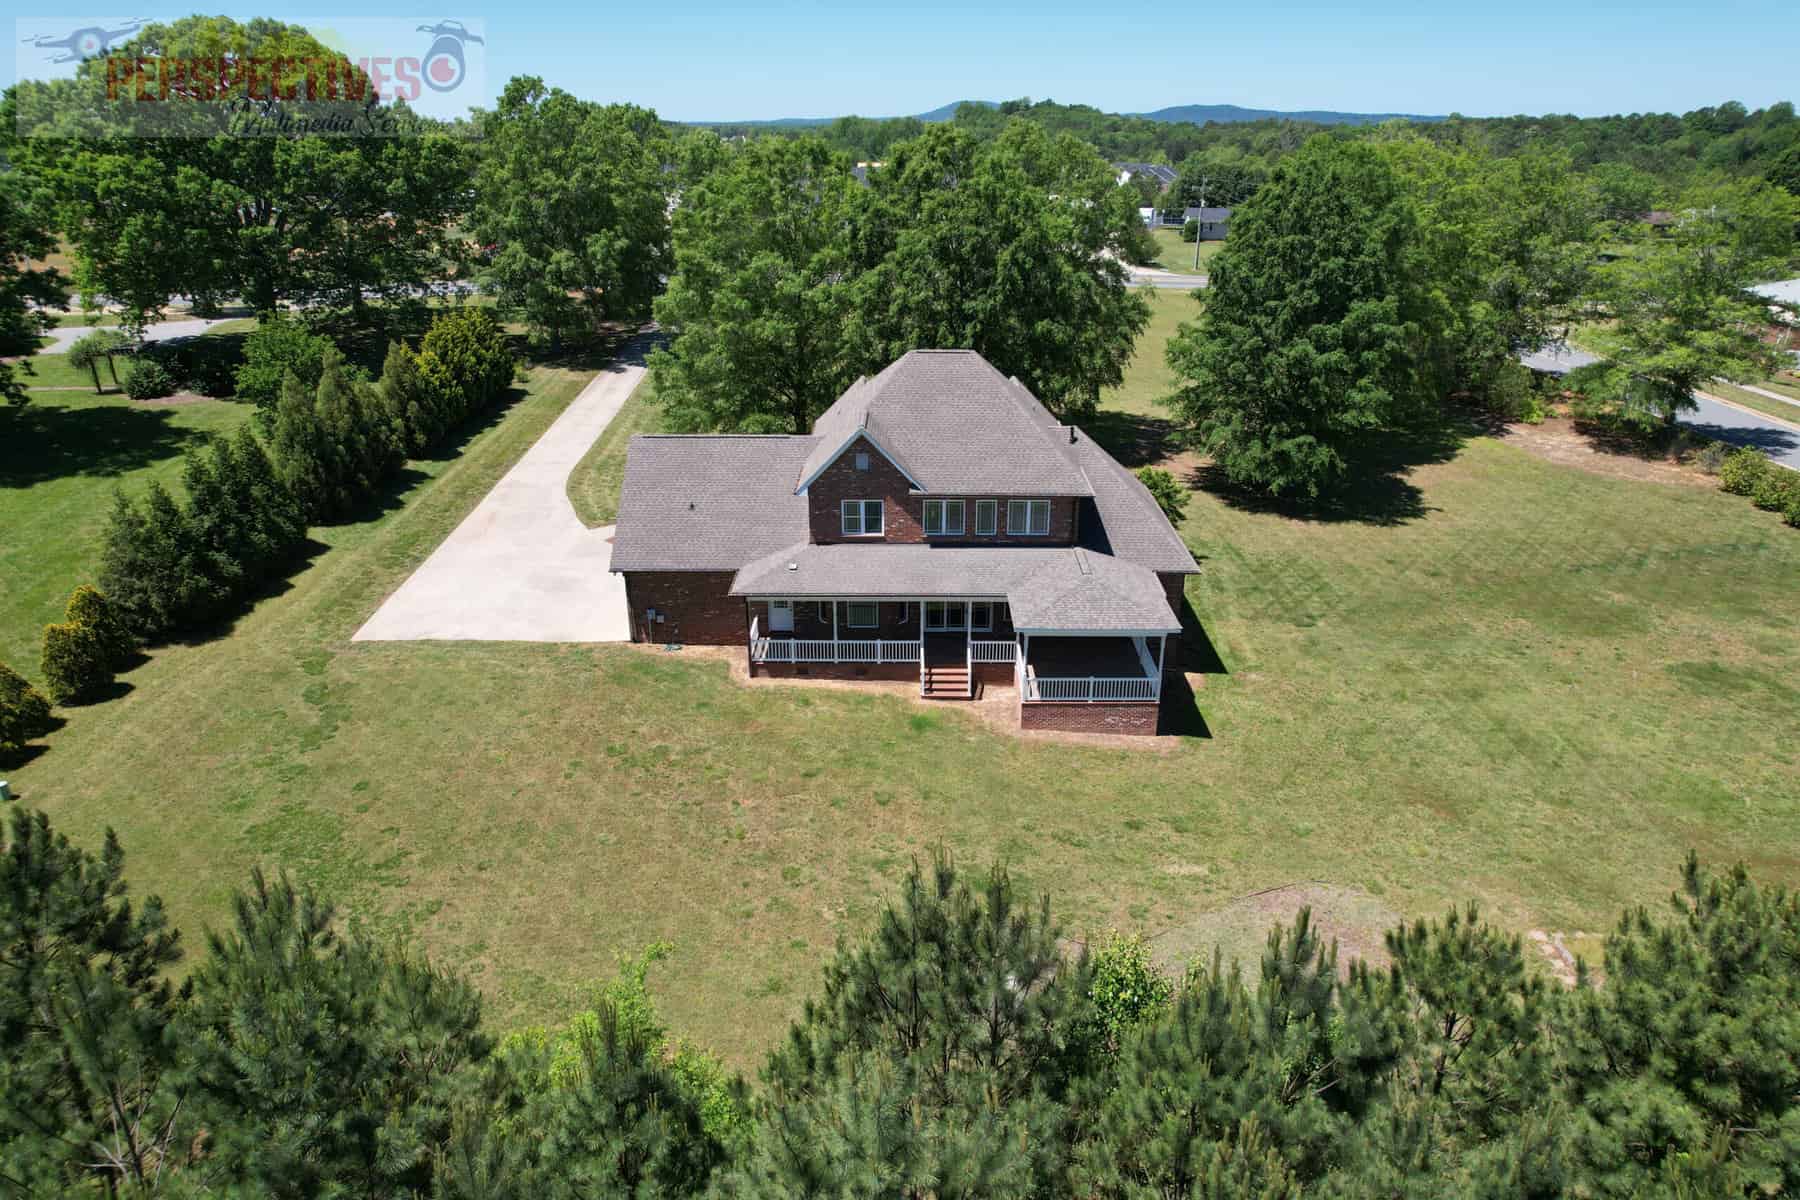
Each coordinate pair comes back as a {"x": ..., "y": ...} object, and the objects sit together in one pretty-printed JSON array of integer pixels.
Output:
[{"x": 956, "y": 1049}]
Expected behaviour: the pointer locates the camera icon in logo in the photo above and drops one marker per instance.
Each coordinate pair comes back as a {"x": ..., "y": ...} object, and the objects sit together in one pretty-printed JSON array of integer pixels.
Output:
[{"x": 443, "y": 66}]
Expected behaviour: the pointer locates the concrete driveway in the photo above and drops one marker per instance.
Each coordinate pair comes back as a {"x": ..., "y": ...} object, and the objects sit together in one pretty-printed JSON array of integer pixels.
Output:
[
  {"x": 1728, "y": 423},
  {"x": 522, "y": 567}
]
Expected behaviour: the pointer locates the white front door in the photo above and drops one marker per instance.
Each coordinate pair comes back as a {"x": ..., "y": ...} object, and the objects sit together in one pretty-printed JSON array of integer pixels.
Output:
[{"x": 781, "y": 616}]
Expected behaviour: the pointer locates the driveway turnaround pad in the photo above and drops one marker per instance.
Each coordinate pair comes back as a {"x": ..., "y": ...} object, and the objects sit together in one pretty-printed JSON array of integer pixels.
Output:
[{"x": 522, "y": 567}]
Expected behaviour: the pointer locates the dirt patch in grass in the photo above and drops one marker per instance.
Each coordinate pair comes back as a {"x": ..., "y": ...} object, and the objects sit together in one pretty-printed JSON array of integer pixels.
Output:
[
  {"x": 1351, "y": 917},
  {"x": 1560, "y": 440}
]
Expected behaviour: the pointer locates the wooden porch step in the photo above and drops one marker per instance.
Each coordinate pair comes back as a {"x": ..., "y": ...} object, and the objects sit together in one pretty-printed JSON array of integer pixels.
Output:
[{"x": 946, "y": 683}]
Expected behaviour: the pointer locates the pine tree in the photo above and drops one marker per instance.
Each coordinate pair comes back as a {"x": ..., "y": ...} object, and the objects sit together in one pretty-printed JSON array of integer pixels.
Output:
[
  {"x": 272, "y": 523},
  {"x": 90, "y": 607},
  {"x": 126, "y": 565},
  {"x": 301, "y": 450},
  {"x": 1689, "y": 1050},
  {"x": 84, "y": 1009},
  {"x": 215, "y": 541},
  {"x": 324, "y": 1064},
  {"x": 411, "y": 407},
  {"x": 958, "y": 1024}
]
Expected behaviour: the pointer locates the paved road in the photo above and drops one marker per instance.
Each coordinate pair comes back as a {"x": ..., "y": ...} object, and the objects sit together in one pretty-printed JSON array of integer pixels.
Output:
[
  {"x": 1155, "y": 277},
  {"x": 522, "y": 567},
  {"x": 1779, "y": 440},
  {"x": 62, "y": 338}
]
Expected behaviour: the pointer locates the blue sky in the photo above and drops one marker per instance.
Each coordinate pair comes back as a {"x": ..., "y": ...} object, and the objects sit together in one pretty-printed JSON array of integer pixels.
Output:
[{"x": 701, "y": 60}]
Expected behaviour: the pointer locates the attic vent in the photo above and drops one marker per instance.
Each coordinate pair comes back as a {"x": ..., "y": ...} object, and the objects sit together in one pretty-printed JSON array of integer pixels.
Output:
[
  {"x": 862, "y": 461},
  {"x": 1081, "y": 561}
]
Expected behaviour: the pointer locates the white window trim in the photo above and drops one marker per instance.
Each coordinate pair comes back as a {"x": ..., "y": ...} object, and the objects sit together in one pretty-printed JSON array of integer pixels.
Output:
[
  {"x": 862, "y": 514},
  {"x": 976, "y": 626},
  {"x": 994, "y": 524},
  {"x": 943, "y": 518},
  {"x": 1027, "y": 531},
  {"x": 850, "y": 608}
]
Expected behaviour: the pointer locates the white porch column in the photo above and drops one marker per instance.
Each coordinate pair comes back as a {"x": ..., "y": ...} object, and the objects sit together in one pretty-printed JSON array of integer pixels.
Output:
[{"x": 834, "y": 627}]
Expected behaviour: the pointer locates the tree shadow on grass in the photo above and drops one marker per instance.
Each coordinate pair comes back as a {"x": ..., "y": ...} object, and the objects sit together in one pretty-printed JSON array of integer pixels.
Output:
[
  {"x": 45, "y": 441},
  {"x": 1135, "y": 439},
  {"x": 1374, "y": 489}
]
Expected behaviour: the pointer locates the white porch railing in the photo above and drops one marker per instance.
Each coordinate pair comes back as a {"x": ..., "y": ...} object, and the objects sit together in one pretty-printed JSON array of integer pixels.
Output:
[
  {"x": 830, "y": 650},
  {"x": 1089, "y": 688},
  {"x": 1000, "y": 652}
]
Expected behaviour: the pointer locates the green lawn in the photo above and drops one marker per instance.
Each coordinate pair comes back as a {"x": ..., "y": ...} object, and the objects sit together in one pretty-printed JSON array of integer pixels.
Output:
[
  {"x": 1177, "y": 255},
  {"x": 1499, "y": 679},
  {"x": 595, "y": 482},
  {"x": 60, "y": 457}
]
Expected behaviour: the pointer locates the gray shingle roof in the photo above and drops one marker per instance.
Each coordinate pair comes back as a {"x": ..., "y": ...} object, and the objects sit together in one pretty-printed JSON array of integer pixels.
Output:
[
  {"x": 1124, "y": 519},
  {"x": 708, "y": 502},
  {"x": 1194, "y": 212},
  {"x": 1048, "y": 588},
  {"x": 954, "y": 424}
]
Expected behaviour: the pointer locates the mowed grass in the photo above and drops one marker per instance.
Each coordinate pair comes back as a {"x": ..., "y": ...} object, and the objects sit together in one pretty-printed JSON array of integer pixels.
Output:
[
  {"x": 60, "y": 458},
  {"x": 1529, "y": 686},
  {"x": 594, "y": 484},
  {"x": 1178, "y": 256}
]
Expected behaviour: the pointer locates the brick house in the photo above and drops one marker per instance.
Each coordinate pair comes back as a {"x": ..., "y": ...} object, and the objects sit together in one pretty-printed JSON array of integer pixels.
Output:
[{"x": 939, "y": 524}]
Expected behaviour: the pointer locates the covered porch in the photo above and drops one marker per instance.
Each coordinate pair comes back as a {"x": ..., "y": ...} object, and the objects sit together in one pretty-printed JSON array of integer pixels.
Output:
[
  {"x": 1057, "y": 669},
  {"x": 844, "y": 630}
]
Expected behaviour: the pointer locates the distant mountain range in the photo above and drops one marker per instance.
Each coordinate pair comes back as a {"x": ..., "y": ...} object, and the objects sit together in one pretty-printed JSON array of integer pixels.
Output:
[{"x": 1198, "y": 114}]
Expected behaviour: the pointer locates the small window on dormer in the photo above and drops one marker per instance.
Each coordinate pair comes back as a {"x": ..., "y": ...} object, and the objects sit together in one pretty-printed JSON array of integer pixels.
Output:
[{"x": 862, "y": 460}]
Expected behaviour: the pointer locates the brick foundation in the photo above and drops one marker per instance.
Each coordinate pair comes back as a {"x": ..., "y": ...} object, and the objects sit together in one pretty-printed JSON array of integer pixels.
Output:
[
  {"x": 893, "y": 671},
  {"x": 1090, "y": 718},
  {"x": 697, "y": 606}
]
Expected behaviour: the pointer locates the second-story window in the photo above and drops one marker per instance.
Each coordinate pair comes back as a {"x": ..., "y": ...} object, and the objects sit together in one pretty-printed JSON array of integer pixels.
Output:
[
  {"x": 987, "y": 517},
  {"x": 861, "y": 518},
  {"x": 943, "y": 516},
  {"x": 1028, "y": 518}
]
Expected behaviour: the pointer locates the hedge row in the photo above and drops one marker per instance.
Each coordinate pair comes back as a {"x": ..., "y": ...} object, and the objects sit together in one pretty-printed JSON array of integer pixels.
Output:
[
  {"x": 334, "y": 439},
  {"x": 1748, "y": 472}
]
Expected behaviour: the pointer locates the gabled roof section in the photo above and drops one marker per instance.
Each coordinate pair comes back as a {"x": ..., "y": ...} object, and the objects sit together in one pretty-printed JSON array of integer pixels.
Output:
[
  {"x": 1049, "y": 589},
  {"x": 708, "y": 502},
  {"x": 953, "y": 424},
  {"x": 1124, "y": 519}
]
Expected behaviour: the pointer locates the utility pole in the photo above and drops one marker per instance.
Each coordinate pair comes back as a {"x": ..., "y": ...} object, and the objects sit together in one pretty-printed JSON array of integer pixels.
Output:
[{"x": 1199, "y": 223}]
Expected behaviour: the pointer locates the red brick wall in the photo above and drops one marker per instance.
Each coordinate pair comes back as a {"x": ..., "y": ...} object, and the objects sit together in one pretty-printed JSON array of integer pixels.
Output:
[
  {"x": 1175, "y": 587},
  {"x": 900, "y": 671},
  {"x": 697, "y": 606},
  {"x": 903, "y": 515},
  {"x": 1090, "y": 718}
]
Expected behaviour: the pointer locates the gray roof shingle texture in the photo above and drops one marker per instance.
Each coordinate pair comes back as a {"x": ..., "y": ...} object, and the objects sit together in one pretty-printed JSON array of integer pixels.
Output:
[
  {"x": 955, "y": 425},
  {"x": 719, "y": 502},
  {"x": 1051, "y": 588},
  {"x": 708, "y": 502}
]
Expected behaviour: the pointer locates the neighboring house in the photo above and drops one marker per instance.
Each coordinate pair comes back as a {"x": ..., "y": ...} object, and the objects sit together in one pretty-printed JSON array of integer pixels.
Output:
[
  {"x": 1165, "y": 176},
  {"x": 1213, "y": 222},
  {"x": 860, "y": 172},
  {"x": 938, "y": 523}
]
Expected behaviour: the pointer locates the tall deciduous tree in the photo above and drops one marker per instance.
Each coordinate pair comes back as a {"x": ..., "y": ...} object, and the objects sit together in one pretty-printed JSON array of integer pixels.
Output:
[
  {"x": 760, "y": 292},
  {"x": 1010, "y": 248},
  {"x": 571, "y": 207},
  {"x": 1310, "y": 336},
  {"x": 276, "y": 217},
  {"x": 1680, "y": 311},
  {"x": 24, "y": 236}
]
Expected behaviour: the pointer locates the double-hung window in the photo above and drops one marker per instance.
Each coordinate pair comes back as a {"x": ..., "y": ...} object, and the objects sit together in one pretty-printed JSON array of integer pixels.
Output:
[
  {"x": 987, "y": 517},
  {"x": 862, "y": 616},
  {"x": 1028, "y": 518},
  {"x": 943, "y": 517},
  {"x": 861, "y": 518}
]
